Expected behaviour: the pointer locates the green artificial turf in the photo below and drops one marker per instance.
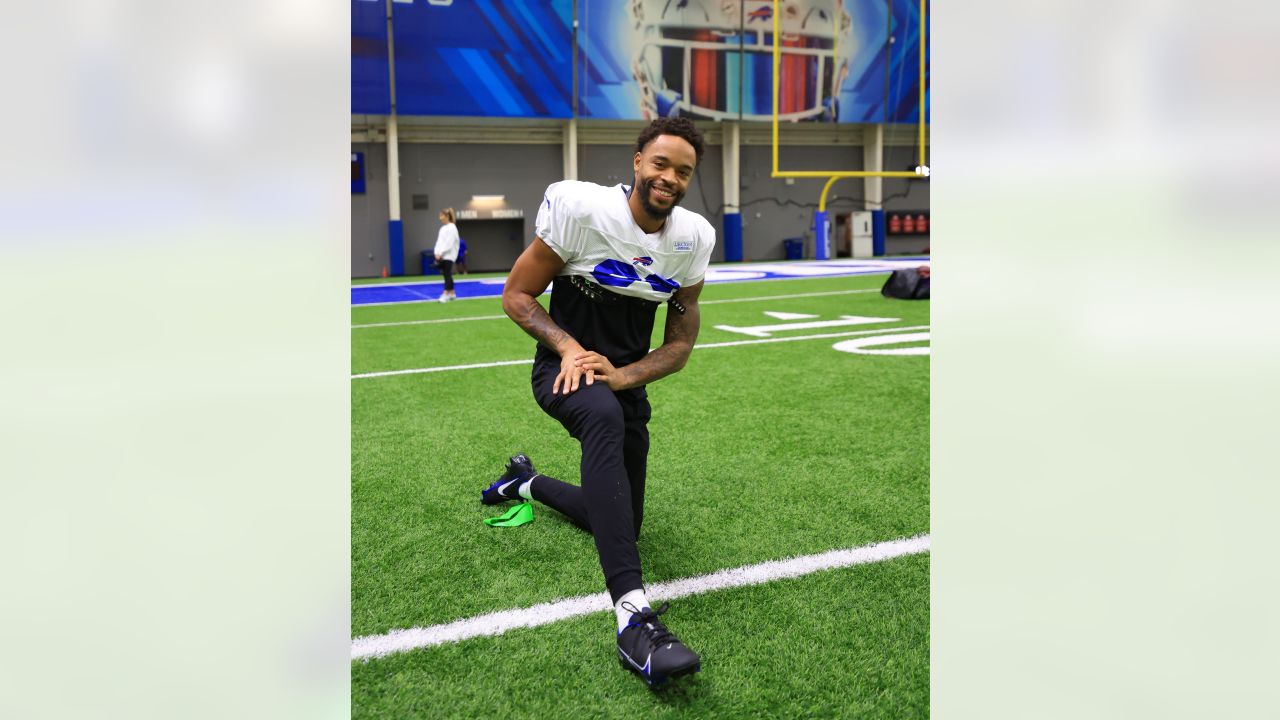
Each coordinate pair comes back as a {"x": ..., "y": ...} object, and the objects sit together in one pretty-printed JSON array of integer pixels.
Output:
[
  {"x": 758, "y": 452},
  {"x": 850, "y": 643}
]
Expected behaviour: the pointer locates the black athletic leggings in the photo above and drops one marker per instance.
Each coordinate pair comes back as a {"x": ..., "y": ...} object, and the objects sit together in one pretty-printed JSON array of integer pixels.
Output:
[
  {"x": 611, "y": 428},
  {"x": 446, "y": 269}
]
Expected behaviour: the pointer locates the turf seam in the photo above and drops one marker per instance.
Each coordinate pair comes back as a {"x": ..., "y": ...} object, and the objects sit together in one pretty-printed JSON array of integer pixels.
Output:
[{"x": 370, "y": 647}]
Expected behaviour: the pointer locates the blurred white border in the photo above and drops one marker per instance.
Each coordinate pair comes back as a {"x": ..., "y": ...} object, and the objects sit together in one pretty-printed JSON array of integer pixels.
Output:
[
  {"x": 175, "y": 233},
  {"x": 1104, "y": 345}
]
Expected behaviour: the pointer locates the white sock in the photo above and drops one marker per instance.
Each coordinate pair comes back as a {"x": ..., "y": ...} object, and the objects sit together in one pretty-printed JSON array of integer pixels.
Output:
[
  {"x": 526, "y": 489},
  {"x": 634, "y": 599}
]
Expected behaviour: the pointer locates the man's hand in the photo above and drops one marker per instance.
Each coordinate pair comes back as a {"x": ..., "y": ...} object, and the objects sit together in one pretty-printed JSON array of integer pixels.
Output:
[
  {"x": 598, "y": 367},
  {"x": 536, "y": 267},
  {"x": 677, "y": 342},
  {"x": 571, "y": 373}
]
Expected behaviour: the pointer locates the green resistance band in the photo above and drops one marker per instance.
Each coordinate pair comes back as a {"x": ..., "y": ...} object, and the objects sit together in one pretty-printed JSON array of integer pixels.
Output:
[{"x": 515, "y": 517}]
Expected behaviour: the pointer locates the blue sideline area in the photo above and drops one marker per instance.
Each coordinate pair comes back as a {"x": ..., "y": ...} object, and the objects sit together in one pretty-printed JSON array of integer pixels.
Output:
[{"x": 410, "y": 292}]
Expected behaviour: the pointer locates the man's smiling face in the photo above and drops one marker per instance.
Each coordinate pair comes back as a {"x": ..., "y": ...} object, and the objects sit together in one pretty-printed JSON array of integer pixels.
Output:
[{"x": 663, "y": 170}]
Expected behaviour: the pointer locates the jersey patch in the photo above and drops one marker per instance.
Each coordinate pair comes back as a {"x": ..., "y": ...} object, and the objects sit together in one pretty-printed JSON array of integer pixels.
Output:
[{"x": 683, "y": 246}]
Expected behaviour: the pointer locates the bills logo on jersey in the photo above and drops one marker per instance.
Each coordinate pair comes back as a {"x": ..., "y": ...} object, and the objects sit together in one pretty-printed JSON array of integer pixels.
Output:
[
  {"x": 646, "y": 261},
  {"x": 615, "y": 273}
]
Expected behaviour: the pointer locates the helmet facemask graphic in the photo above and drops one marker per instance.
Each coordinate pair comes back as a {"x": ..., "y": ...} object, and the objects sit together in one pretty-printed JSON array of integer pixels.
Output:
[{"x": 688, "y": 62}]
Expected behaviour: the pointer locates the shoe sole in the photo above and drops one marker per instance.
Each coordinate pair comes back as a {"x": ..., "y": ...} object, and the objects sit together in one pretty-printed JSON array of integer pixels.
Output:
[{"x": 661, "y": 679}]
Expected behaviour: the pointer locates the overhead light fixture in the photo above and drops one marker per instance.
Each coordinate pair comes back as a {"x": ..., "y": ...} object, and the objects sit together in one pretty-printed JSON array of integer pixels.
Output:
[{"x": 488, "y": 198}]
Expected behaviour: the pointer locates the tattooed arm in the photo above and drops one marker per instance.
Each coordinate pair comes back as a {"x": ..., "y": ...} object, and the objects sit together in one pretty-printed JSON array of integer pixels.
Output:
[
  {"x": 677, "y": 342},
  {"x": 533, "y": 272}
]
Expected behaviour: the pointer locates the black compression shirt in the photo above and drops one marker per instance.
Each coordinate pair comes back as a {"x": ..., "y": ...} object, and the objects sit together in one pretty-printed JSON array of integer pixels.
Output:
[{"x": 616, "y": 326}]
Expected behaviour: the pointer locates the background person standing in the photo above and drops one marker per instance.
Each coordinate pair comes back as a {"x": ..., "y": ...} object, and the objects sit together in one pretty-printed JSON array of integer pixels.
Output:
[{"x": 446, "y": 251}]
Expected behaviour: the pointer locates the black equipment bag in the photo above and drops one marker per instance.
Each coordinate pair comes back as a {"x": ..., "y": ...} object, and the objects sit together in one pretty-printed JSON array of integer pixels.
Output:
[{"x": 906, "y": 284}]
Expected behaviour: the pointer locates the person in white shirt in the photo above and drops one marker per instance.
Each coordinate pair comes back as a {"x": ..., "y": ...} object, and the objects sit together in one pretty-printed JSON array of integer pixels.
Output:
[
  {"x": 613, "y": 255},
  {"x": 446, "y": 252}
]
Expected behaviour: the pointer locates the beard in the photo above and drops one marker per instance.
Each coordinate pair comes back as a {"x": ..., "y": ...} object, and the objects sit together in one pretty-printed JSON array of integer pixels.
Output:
[{"x": 655, "y": 212}]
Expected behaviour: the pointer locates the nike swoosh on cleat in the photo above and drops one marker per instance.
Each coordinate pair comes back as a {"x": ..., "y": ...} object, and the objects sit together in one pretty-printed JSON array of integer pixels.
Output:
[
  {"x": 633, "y": 663},
  {"x": 502, "y": 488}
]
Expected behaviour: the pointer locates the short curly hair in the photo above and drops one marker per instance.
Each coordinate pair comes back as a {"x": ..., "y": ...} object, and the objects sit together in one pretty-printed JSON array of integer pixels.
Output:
[{"x": 678, "y": 126}]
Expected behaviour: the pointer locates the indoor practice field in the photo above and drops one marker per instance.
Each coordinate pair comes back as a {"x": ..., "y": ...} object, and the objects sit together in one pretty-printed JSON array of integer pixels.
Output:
[{"x": 777, "y": 446}]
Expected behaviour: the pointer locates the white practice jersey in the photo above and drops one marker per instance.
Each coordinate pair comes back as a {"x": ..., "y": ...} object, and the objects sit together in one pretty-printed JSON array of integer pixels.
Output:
[{"x": 591, "y": 228}]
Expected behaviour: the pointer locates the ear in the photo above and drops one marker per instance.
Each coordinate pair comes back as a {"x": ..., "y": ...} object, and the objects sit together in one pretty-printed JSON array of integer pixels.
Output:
[{"x": 635, "y": 163}]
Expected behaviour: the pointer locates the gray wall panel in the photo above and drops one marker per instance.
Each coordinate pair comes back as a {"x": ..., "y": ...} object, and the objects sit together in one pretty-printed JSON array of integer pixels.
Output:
[
  {"x": 914, "y": 196},
  {"x": 369, "y": 214},
  {"x": 449, "y": 175},
  {"x": 611, "y": 164},
  {"x": 494, "y": 245},
  {"x": 773, "y": 211}
]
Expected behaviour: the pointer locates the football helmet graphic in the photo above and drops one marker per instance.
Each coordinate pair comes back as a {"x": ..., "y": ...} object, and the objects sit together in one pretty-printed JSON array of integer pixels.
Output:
[{"x": 688, "y": 61}]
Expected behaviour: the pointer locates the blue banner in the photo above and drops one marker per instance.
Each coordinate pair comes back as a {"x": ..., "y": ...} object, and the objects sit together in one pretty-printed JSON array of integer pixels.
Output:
[
  {"x": 853, "y": 61},
  {"x": 483, "y": 57},
  {"x": 650, "y": 58},
  {"x": 370, "y": 76}
]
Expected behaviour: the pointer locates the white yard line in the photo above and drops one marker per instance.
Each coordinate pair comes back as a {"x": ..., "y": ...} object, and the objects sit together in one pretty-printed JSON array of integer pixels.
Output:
[
  {"x": 823, "y": 336},
  {"x": 700, "y": 302},
  {"x": 442, "y": 369},
  {"x": 426, "y": 300},
  {"x": 430, "y": 322},
  {"x": 700, "y": 346},
  {"x": 764, "y": 331},
  {"x": 496, "y": 623},
  {"x": 788, "y": 297}
]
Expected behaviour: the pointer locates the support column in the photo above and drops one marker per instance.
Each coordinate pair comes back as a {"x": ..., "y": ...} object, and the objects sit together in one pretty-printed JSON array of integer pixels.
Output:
[
  {"x": 571, "y": 149},
  {"x": 873, "y": 187},
  {"x": 873, "y": 161},
  {"x": 821, "y": 236},
  {"x": 730, "y": 142},
  {"x": 395, "y": 229}
]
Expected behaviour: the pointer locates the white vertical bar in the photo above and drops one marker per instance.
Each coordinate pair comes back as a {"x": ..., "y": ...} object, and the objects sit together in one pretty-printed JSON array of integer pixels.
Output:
[
  {"x": 571, "y": 149},
  {"x": 730, "y": 148},
  {"x": 393, "y": 167},
  {"x": 393, "y": 135},
  {"x": 873, "y": 160}
]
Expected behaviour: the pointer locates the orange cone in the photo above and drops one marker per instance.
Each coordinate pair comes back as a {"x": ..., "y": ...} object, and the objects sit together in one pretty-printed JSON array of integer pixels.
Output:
[{"x": 384, "y": 271}]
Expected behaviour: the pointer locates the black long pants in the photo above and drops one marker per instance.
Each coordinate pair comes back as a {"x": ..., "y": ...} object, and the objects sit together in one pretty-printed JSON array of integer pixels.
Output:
[
  {"x": 612, "y": 430},
  {"x": 446, "y": 269}
]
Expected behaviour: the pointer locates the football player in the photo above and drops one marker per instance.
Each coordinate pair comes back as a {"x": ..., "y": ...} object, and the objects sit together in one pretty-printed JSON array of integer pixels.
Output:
[{"x": 612, "y": 255}]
